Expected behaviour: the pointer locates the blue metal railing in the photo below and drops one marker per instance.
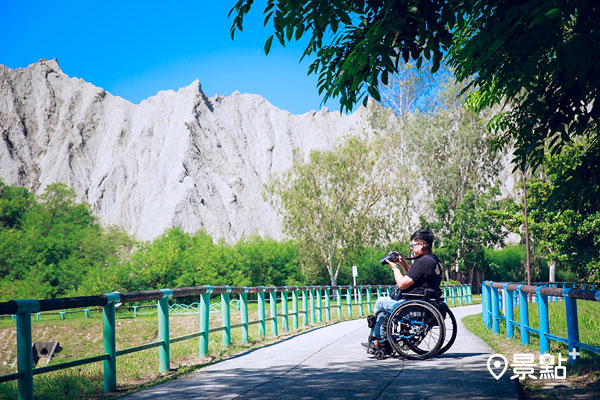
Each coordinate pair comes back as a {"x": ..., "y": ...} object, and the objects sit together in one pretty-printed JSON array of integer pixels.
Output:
[
  {"x": 311, "y": 298},
  {"x": 496, "y": 294}
]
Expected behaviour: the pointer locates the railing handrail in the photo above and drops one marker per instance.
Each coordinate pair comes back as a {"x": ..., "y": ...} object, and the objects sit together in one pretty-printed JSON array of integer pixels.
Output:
[
  {"x": 493, "y": 303},
  {"x": 65, "y": 303},
  {"x": 592, "y": 295}
]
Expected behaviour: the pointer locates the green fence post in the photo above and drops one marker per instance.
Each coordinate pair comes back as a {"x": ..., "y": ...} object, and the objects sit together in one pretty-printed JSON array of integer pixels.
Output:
[
  {"x": 244, "y": 314},
  {"x": 360, "y": 301},
  {"x": 304, "y": 308},
  {"x": 495, "y": 312},
  {"x": 523, "y": 316},
  {"x": 469, "y": 294},
  {"x": 508, "y": 315},
  {"x": 24, "y": 349},
  {"x": 445, "y": 293},
  {"x": 349, "y": 301},
  {"x": 572, "y": 324},
  {"x": 369, "y": 305},
  {"x": 226, "y": 317},
  {"x": 204, "y": 321},
  {"x": 87, "y": 312},
  {"x": 486, "y": 306},
  {"x": 339, "y": 302},
  {"x": 311, "y": 294},
  {"x": 262, "y": 326},
  {"x": 379, "y": 291},
  {"x": 295, "y": 308},
  {"x": 459, "y": 295},
  {"x": 319, "y": 305},
  {"x": 164, "y": 350},
  {"x": 327, "y": 304},
  {"x": 273, "y": 307},
  {"x": 37, "y": 316},
  {"x": 285, "y": 322},
  {"x": 543, "y": 324},
  {"x": 110, "y": 347}
]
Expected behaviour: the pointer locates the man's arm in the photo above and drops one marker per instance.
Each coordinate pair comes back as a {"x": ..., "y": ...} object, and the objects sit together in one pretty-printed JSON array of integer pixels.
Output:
[
  {"x": 403, "y": 281},
  {"x": 404, "y": 264}
]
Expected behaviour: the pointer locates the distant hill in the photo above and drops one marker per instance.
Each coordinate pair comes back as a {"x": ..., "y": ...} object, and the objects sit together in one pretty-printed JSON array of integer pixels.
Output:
[{"x": 176, "y": 159}]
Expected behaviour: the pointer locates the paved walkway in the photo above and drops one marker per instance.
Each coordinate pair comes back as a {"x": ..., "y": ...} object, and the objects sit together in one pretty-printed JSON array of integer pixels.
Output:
[{"x": 330, "y": 363}]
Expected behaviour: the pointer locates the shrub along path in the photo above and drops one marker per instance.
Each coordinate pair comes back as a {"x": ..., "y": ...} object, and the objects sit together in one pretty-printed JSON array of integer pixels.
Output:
[{"x": 330, "y": 363}]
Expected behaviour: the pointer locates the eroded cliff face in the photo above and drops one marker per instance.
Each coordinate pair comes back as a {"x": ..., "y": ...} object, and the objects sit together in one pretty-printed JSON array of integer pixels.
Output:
[{"x": 176, "y": 159}]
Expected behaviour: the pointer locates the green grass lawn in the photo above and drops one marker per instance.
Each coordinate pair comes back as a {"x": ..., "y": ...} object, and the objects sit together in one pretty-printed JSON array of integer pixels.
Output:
[
  {"x": 584, "y": 377},
  {"x": 81, "y": 337}
]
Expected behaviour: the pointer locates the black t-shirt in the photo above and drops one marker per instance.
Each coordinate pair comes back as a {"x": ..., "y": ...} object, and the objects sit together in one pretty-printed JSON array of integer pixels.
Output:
[{"x": 426, "y": 271}]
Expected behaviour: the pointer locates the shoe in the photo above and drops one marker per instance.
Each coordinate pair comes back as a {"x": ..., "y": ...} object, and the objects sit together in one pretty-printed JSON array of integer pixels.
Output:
[
  {"x": 370, "y": 347},
  {"x": 374, "y": 338}
]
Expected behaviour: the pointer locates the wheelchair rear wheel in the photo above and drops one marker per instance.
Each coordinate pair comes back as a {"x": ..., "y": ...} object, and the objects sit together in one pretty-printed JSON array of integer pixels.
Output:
[
  {"x": 416, "y": 330},
  {"x": 450, "y": 330}
]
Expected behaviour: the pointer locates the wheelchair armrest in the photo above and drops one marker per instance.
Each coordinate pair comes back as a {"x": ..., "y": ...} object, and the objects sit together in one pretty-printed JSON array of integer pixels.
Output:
[
  {"x": 412, "y": 296},
  {"x": 428, "y": 296}
]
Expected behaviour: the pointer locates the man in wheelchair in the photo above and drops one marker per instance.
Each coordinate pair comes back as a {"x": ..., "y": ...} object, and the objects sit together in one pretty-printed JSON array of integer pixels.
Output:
[{"x": 421, "y": 280}]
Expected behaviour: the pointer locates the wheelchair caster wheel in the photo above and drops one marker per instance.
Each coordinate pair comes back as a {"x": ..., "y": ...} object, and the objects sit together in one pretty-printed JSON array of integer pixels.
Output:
[{"x": 380, "y": 354}]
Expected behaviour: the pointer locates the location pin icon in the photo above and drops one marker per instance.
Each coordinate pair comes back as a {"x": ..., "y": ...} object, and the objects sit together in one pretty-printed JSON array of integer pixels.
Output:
[{"x": 497, "y": 362}]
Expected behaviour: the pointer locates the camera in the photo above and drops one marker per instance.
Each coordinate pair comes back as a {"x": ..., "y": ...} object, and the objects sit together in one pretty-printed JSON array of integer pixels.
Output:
[{"x": 392, "y": 256}]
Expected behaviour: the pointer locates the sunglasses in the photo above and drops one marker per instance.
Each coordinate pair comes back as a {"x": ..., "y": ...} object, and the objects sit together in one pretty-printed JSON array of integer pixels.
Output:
[{"x": 415, "y": 244}]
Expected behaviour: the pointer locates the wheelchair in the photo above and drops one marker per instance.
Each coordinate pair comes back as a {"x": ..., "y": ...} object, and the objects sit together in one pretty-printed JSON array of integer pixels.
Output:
[{"x": 420, "y": 326}]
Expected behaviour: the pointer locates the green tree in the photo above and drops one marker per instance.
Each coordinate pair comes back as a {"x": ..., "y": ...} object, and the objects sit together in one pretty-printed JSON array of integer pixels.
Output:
[
  {"x": 414, "y": 89},
  {"x": 357, "y": 43},
  {"x": 338, "y": 201},
  {"x": 178, "y": 259},
  {"x": 568, "y": 238},
  {"x": 451, "y": 151},
  {"x": 447, "y": 153},
  {"x": 266, "y": 262},
  {"x": 526, "y": 54},
  {"x": 474, "y": 225},
  {"x": 53, "y": 245},
  {"x": 14, "y": 203}
]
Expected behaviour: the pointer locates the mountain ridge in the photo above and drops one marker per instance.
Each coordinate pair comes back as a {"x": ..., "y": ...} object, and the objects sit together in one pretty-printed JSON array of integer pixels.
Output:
[{"x": 178, "y": 158}]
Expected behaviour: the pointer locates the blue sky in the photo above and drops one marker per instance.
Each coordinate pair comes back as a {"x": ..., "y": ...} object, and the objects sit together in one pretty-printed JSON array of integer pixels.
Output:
[{"x": 134, "y": 49}]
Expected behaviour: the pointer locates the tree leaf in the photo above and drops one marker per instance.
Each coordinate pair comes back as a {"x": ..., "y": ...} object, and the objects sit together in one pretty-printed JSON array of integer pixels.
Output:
[{"x": 268, "y": 44}]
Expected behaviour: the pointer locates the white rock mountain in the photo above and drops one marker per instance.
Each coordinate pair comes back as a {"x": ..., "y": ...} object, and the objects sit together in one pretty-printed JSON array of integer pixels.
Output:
[{"x": 176, "y": 159}]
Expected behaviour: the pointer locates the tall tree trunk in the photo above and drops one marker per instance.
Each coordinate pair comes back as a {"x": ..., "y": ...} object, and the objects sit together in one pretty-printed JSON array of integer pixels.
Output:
[
  {"x": 471, "y": 272},
  {"x": 552, "y": 271},
  {"x": 476, "y": 283}
]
